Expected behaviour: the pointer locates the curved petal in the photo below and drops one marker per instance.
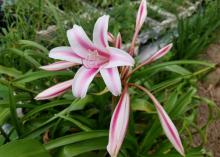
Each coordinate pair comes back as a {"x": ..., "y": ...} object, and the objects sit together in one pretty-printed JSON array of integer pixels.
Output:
[
  {"x": 168, "y": 126},
  {"x": 100, "y": 32},
  {"x": 58, "y": 66},
  {"x": 119, "y": 57},
  {"x": 141, "y": 15},
  {"x": 82, "y": 80},
  {"x": 156, "y": 55},
  {"x": 163, "y": 51},
  {"x": 118, "y": 126},
  {"x": 66, "y": 54},
  {"x": 54, "y": 91},
  {"x": 112, "y": 80},
  {"x": 79, "y": 41}
]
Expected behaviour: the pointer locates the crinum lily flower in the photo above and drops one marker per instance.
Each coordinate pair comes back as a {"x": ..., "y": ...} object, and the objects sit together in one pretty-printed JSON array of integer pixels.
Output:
[{"x": 96, "y": 56}]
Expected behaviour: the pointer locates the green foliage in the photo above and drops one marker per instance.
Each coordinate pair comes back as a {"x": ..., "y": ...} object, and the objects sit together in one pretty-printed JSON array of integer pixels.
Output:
[
  {"x": 24, "y": 148},
  {"x": 123, "y": 20},
  {"x": 196, "y": 32}
]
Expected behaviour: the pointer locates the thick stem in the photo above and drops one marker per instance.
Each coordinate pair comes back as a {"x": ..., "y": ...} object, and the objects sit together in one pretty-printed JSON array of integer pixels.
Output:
[
  {"x": 131, "y": 49},
  {"x": 135, "y": 69},
  {"x": 141, "y": 88}
]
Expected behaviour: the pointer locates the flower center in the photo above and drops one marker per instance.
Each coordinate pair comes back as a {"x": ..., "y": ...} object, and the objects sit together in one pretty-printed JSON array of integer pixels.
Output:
[{"x": 94, "y": 60}]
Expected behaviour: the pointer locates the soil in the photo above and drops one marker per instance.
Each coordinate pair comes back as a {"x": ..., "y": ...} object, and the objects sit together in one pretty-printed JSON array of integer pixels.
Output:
[{"x": 210, "y": 88}]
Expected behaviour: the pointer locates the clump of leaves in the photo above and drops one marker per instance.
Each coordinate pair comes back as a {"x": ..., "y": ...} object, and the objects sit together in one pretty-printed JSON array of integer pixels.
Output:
[{"x": 196, "y": 32}]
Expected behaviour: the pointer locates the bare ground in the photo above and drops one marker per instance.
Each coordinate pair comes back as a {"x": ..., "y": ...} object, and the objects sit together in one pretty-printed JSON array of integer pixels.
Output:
[{"x": 210, "y": 88}]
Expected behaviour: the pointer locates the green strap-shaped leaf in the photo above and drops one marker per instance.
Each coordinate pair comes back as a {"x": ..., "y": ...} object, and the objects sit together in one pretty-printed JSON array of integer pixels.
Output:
[
  {"x": 177, "y": 69},
  {"x": 10, "y": 71},
  {"x": 83, "y": 147},
  {"x": 153, "y": 68},
  {"x": 4, "y": 114},
  {"x": 34, "y": 44},
  {"x": 40, "y": 74},
  {"x": 46, "y": 106},
  {"x": 74, "y": 138},
  {"x": 23, "y": 148}
]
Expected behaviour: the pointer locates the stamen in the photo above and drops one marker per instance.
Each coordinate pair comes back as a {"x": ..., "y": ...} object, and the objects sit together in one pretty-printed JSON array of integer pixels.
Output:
[{"x": 94, "y": 60}]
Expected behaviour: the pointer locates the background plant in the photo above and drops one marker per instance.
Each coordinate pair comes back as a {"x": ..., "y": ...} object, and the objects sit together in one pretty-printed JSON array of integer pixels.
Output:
[{"x": 196, "y": 32}]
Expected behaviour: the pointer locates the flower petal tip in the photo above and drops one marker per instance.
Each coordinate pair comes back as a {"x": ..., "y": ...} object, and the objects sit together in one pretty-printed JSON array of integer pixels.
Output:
[
  {"x": 36, "y": 98},
  {"x": 111, "y": 38},
  {"x": 118, "y": 43}
]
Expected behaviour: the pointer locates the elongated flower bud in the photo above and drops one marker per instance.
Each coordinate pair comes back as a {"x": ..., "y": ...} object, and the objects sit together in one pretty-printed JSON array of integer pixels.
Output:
[
  {"x": 111, "y": 38},
  {"x": 118, "y": 126},
  {"x": 141, "y": 15},
  {"x": 162, "y": 52},
  {"x": 118, "y": 42},
  {"x": 168, "y": 126},
  {"x": 54, "y": 91}
]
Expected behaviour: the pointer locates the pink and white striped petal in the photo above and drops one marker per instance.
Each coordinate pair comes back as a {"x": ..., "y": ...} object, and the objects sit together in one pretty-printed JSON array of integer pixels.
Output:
[
  {"x": 141, "y": 15},
  {"x": 100, "y": 32},
  {"x": 162, "y": 52},
  {"x": 119, "y": 57},
  {"x": 79, "y": 41},
  {"x": 111, "y": 38},
  {"x": 168, "y": 126},
  {"x": 112, "y": 80},
  {"x": 65, "y": 53},
  {"x": 61, "y": 65},
  {"x": 118, "y": 42},
  {"x": 118, "y": 126},
  {"x": 54, "y": 91},
  {"x": 82, "y": 80}
]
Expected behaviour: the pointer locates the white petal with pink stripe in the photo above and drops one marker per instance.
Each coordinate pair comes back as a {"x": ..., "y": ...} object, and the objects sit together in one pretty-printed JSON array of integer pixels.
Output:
[
  {"x": 65, "y": 53},
  {"x": 112, "y": 80},
  {"x": 54, "y": 91},
  {"x": 58, "y": 66},
  {"x": 119, "y": 57},
  {"x": 141, "y": 15},
  {"x": 168, "y": 126},
  {"x": 82, "y": 80},
  {"x": 118, "y": 126},
  {"x": 100, "y": 32},
  {"x": 79, "y": 41}
]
